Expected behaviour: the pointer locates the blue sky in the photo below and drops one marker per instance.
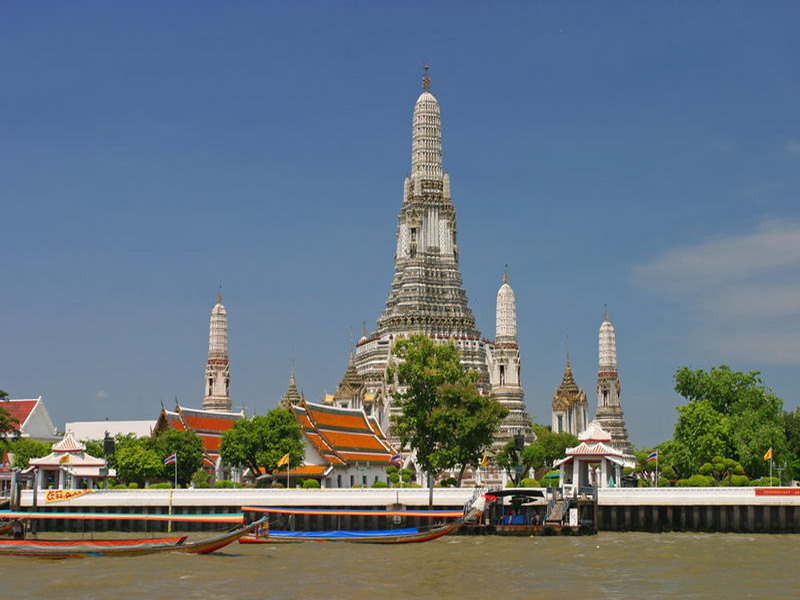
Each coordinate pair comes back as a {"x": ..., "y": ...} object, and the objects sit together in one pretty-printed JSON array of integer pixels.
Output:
[{"x": 640, "y": 154}]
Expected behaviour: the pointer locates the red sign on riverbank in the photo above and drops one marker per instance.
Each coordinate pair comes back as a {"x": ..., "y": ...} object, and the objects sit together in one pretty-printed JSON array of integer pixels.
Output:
[{"x": 777, "y": 491}]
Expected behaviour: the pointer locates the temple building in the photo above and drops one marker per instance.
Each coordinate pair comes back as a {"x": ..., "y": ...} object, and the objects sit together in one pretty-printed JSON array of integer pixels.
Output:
[
  {"x": 209, "y": 425},
  {"x": 609, "y": 407},
  {"x": 427, "y": 295},
  {"x": 505, "y": 369},
  {"x": 344, "y": 447},
  {"x": 218, "y": 373},
  {"x": 216, "y": 417},
  {"x": 569, "y": 405}
]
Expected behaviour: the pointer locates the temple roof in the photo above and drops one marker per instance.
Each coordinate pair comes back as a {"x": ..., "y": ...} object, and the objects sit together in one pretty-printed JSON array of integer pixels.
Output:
[
  {"x": 292, "y": 396},
  {"x": 594, "y": 433},
  {"x": 209, "y": 425},
  {"x": 568, "y": 393},
  {"x": 351, "y": 385},
  {"x": 343, "y": 435}
]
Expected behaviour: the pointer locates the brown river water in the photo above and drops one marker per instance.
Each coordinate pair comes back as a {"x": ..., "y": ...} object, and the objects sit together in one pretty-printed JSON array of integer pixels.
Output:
[{"x": 609, "y": 565}]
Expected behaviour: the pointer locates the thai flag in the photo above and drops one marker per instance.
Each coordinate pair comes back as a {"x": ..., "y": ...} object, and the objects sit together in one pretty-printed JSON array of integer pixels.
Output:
[
  {"x": 652, "y": 456},
  {"x": 172, "y": 458},
  {"x": 396, "y": 459}
]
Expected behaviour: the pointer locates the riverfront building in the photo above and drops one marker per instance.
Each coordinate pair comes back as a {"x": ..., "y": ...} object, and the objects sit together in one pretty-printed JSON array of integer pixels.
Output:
[{"x": 427, "y": 295}]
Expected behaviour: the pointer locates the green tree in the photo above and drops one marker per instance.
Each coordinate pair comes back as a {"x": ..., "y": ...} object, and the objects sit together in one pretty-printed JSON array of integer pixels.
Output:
[
  {"x": 467, "y": 421},
  {"x": 261, "y": 441},
  {"x": 189, "y": 449},
  {"x": 729, "y": 413},
  {"x": 9, "y": 426},
  {"x": 137, "y": 460},
  {"x": 24, "y": 450},
  {"x": 434, "y": 388},
  {"x": 791, "y": 424}
]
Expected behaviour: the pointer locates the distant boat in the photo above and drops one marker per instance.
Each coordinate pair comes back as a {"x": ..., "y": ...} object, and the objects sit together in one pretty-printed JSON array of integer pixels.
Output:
[
  {"x": 264, "y": 535},
  {"x": 119, "y": 547}
]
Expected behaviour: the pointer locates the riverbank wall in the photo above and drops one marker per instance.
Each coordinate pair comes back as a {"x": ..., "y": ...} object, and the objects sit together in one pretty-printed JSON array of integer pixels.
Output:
[
  {"x": 735, "y": 510},
  {"x": 725, "y": 510}
]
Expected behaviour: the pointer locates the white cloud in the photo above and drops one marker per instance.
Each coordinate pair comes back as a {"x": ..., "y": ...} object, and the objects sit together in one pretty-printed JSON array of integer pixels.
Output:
[
  {"x": 101, "y": 394},
  {"x": 740, "y": 292},
  {"x": 793, "y": 147}
]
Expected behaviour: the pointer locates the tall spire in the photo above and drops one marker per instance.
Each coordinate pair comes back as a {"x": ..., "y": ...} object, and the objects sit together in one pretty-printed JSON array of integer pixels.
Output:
[
  {"x": 506, "y": 314},
  {"x": 607, "y": 346},
  {"x": 609, "y": 405},
  {"x": 426, "y": 136},
  {"x": 218, "y": 377}
]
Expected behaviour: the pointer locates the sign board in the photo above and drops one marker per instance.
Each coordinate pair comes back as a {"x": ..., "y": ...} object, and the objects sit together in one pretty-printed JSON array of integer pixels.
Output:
[
  {"x": 573, "y": 517},
  {"x": 61, "y": 495}
]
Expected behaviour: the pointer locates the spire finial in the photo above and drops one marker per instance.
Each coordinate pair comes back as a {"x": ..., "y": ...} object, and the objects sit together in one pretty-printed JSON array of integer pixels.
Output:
[
  {"x": 363, "y": 329},
  {"x": 219, "y": 294},
  {"x": 568, "y": 365},
  {"x": 605, "y": 312},
  {"x": 426, "y": 80},
  {"x": 505, "y": 274}
]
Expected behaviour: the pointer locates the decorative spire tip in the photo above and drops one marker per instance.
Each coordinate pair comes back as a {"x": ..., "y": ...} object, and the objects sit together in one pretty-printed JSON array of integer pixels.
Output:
[
  {"x": 426, "y": 80},
  {"x": 219, "y": 294},
  {"x": 505, "y": 274}
]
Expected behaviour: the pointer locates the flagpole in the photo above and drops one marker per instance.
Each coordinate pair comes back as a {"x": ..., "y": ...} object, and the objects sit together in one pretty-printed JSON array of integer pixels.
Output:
[
  {"x": 770, "y": 470},
  {"x": 287, "y": 474},
  {"x": 176, "y": 470}
]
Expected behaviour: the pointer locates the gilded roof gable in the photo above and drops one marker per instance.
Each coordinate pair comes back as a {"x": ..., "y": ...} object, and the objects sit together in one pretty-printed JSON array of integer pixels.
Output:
[{"x": 568, "y": 393}]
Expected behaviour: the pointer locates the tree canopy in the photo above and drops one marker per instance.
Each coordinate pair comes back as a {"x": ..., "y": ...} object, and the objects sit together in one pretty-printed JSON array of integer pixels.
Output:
[
  {"x": 188, "y": 448},
  {"x": 24, "y": 450},
  {"x": 261, "y": 441},
  {"x": 443, "y": 416},
  {"x": 729, "y": 413}
]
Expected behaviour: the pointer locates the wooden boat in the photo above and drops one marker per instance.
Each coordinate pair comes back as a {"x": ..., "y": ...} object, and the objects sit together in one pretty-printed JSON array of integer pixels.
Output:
[
  {"x": 126, "y": 547},
  {"x": 264, "y": 535}
]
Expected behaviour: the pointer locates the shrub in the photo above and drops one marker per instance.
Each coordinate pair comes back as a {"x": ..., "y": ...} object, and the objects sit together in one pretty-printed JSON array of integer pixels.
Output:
[
  {"x": 277, "y": 484},
  {"x": 133, "y": 485},
  {"x": 695, "y": 481},
  {"x": 643, "y": 483},
  {"x": 224, "y": 483},
  {"x": 380, "y": 484},
  {"x": 311, "y": 484},
  {"x": 161, "y": 485},
  {"x": 529, "y": 482},
  {"x": 663, "y": 482},
  {"x": 200, "y": 486},
  {"x": 449, "y": 482}
]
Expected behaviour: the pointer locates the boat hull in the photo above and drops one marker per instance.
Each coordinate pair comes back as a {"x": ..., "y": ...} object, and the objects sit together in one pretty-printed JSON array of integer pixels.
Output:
[{"x": 358, "y": 537}]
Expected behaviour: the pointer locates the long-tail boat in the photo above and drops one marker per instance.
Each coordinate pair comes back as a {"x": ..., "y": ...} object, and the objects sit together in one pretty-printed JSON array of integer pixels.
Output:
[
  {"x": 265, "y": 535},
  {"x": 120, "y": 547}
]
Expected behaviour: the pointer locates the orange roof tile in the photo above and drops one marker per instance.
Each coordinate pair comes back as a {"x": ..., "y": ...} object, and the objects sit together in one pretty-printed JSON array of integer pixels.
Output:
[{"x": 353, "y": 441}]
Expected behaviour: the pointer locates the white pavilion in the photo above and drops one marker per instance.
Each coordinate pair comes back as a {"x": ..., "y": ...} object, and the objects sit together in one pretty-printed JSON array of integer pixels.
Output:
[
  {"x": 592, "y": 463},
  {"x": 69, "y": 466}
]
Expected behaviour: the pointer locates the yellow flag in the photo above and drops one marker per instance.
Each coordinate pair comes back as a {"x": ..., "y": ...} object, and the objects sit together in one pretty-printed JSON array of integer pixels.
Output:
[
  {"x": 64, "y": 459},
  {"x": 485, "y": 461},
  {"x": 284, "y": 460},
  {"x": 768, "y": 455}
]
